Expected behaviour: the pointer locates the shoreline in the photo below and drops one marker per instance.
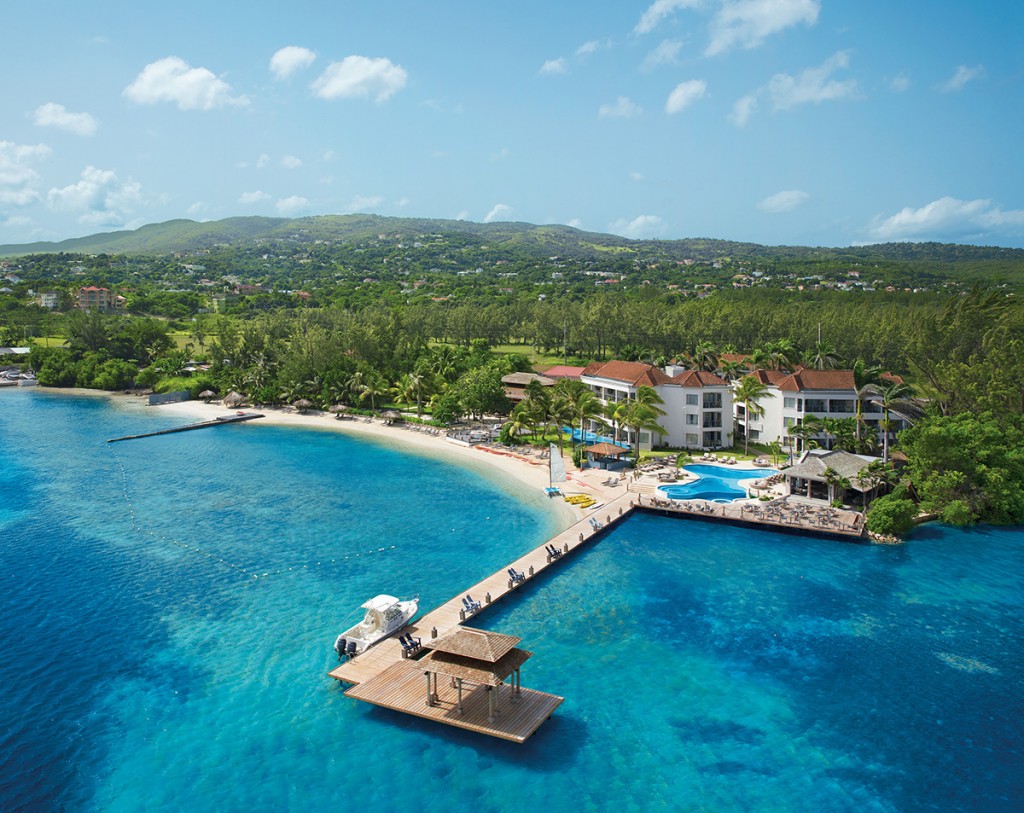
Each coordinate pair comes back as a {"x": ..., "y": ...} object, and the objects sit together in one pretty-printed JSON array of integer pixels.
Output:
[{"x": 521, "y": 477}]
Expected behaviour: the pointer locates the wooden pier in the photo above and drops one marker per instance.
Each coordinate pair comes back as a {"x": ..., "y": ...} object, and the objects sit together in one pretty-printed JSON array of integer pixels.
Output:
[
  {"x": 247, "y": 416},
  {"x": 386, "y": 676}
]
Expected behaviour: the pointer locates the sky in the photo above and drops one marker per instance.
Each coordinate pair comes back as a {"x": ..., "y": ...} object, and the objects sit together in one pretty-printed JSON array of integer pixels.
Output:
[{"x": 781, "y": 122}]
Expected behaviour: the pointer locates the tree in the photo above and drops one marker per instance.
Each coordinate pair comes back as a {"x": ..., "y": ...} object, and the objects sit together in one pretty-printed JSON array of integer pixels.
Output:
[
  {"x": 749, "y": 391},
  {"x": 891, "y": 515},
  {"x": 823, "y": 356},
  {"x": 895, "y": 398},
  {"x": 581, "y": 404},
  {"x": 641, "y": 414}
]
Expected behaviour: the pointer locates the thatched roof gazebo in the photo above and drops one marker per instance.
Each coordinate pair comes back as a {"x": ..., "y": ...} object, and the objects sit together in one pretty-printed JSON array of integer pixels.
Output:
[
  {"x": 234, "y": 399},
  {"x": 338, "y": 410},
  {"x": 391, "y": 415},
  {"x": 475, "y": 656},
  {"x": 302, "y": 404},
  {"x": 206, "y": 395},
  {"x": 599, "y": 451}
]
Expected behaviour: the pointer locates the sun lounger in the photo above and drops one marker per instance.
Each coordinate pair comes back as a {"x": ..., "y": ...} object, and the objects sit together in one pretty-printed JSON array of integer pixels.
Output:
[
  {"x": 516, "y": 576},
  {"x": 470, "y": 605}
]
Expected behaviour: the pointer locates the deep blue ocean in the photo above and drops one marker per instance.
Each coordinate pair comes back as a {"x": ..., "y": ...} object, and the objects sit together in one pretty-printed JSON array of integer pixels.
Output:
[{"x": 168, "y": 607}]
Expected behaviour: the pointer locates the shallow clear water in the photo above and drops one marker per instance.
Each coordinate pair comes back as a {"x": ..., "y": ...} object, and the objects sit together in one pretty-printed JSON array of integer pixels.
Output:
[{"x": 704, "y": 667}]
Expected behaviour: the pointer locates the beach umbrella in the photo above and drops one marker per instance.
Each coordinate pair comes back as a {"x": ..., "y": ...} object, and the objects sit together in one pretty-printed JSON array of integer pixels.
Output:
[
  {"x": 206, "y": 395},
  {"x": 302, "y": 404},
  {"x": 234, "y": 399},
  {"x": 338, "y": 410},
  {"x": 391, "y": 415}
]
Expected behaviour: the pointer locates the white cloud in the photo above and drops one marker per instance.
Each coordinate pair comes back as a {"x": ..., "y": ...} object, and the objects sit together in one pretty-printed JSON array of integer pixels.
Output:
[
  {"x": 638, "y": 228},
  {"x": 253, "y": 197},
  {"x": 588, "y": 48},
  {"x": 463, "y": 215},
  {"x": 812, "y": 85},
  {"x": 55, "y": 115},
  {"x": 658, "y": 11},
  {"x": 501, "y": 211},
  {"x": 685, "y": 94},
  {"x": 364, "y": 203},
  {"x": 100, "y": 197},
  {"x": 785, "y": 201},
  {"x": 746, "y": 23},
  {"x": 666, "y": 53},
  {"x": 262, "y": 161},
  {"x": 576, "y": 223},
  {"x": 198, "y": 210},
  {"x": 292, "y": 206},
  {"x": 291, "y": 162},
  {"x": 623, "y": 108},
  {"x": 637, "y": 177},
  {"x": 961, "y": 77},
  {"x": 553, "y": 66},
  {"x": 356, "y": 77},
  {"x": 948, "y": 219},
  {"x": 289, "y": 60},
  {"x": 17, "y": 176},
  {"x": 899, "y": 84},
  {"x": 172, "y": 80},
  {"x": 742, "y": 110}
]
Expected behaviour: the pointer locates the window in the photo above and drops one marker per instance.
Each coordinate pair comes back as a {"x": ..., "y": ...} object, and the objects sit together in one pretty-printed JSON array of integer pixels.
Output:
[
  {"x": 692, "y": 399},
  {"x": 712, "y": 400},
  {"x": 712, "y": 440},
  {"x": 789, "y": 402},
  {"x": 691, "y": 439},
  {"x": 837, "y": 405},
  {"x": 712, "y": 419},
  {"x": 788, "y": 422},
  {"x": 816, "y": 405},
  {"x": 692, "y": 420}
]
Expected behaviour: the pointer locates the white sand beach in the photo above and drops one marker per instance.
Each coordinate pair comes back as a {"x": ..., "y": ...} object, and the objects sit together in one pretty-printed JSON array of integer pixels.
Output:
[{"x": 524, "y": 475}]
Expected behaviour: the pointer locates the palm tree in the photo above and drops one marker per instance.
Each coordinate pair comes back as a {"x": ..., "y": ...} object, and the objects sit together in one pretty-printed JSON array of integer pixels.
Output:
[
  {"x": 865, "y": 382},
  {"x": 895, "y": 398},
  {"x": 704, "y": 357},
  {"x": 373, "y": 385},
  {"x": 582, "y": 405},
  {"x": 731, "y": 369},
  {"x": 776, "y": 449},
  {"x": 835, "y": 482},
  {"x": 637, "y": 416},
  {"x": 782, "y": 354},
  {"x": 749, "y": 390},
  {"x": 823, "y": 356}
]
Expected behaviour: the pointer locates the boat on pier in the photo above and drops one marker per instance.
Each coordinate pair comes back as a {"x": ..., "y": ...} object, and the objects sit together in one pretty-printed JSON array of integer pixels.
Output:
[{"x": 385, "y": 615}]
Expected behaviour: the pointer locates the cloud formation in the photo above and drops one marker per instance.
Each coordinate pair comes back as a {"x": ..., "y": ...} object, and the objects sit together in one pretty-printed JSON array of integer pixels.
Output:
[
  {"x": 785, "y": 201},
  {"x": 685, "y": 94},
  {"x": 747, "y": 23},
  {"x": 961, "y": 77},
  {"x": 638, "y": 228},
  {"x": 253, "y": 197},
  {"x": 813, "y": 85},
  {"x": 658, "y": 11},
  {"x": 290, "y": 60},
  {"x": 291, "y": 162},
  {"x": 292, "y": 206},
  {"x": 948, "y": 219},
  {"x": 55, "y": 115},
  {"x": 364, "y": 203},
  {"x": 743, "y": 109},
  {"x": 173, "y": 80},
  {"x": 666, "y": 53},
  {"x": 500, "y": 211},
  {"x": 553, "y": 67},
  {"x": 623, "y": 109},
  {"x": 17, "y": 176},
  {"x": 99, "y": 196},
  {"x": 357, "y": 77}
]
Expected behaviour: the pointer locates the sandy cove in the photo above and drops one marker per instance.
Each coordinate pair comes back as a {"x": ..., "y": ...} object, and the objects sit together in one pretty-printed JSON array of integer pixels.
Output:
[{"x": 522, "y": 475}]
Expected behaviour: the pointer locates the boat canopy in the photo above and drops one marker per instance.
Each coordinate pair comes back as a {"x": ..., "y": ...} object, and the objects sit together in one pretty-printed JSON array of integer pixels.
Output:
[{"x": 380, "y": 603}]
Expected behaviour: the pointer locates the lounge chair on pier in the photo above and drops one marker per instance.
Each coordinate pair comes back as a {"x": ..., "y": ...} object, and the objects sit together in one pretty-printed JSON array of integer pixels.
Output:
[
  {"x": 553, "y": 552},
  {"x": 596, "y": 524},
  {"x": 470, "y": 605},
  {"x": 516, "y": 576},
  {"x": 410, "y": 645}
]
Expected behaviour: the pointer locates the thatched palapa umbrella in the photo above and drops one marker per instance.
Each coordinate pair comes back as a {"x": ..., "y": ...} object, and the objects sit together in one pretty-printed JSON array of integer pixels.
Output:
[
  {"x": 206, "y": 395},
  {"x": 234, "y": 399},
  {"x": 339, "y": 410},
  {"x": 302, "y": 404},
  {"x": 391, "y": 415}
]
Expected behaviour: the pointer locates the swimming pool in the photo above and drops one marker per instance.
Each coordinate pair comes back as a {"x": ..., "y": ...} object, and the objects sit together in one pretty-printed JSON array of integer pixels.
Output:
[{"x": 716, "y": 483}]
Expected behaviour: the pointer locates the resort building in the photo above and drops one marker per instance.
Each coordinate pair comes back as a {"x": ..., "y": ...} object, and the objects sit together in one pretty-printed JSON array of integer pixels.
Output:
[
  {"x": 93, "y": 298},
  {"x": 793, "y": 397},
  {"x": 515, "y": 385},
  {"x": 49, "y": 300},
  {"x": 821, "y": 474},
  {"x": 698, "y": 405}
]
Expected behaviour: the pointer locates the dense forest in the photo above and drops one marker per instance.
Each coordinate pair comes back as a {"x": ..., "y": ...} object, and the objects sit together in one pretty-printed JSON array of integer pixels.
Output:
[{"x": 429, "y": 315}]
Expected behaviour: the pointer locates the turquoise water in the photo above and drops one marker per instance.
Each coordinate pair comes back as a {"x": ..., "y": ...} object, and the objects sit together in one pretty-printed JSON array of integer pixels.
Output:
[
  {"x": 716, "y": 483},
  {"x": 704, "y": 667}
]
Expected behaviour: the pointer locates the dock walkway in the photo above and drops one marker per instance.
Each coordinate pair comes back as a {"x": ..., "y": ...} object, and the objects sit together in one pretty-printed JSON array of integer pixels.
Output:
[{"x": 247, "y": 416}]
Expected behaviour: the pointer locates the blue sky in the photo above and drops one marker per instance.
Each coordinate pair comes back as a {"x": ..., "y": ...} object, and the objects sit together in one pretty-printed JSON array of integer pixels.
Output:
[{"x": 802, "y": 122}]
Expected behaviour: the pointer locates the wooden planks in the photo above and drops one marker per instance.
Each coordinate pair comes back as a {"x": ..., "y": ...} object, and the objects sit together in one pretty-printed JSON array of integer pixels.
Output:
[{"x": 403, "y": 687}]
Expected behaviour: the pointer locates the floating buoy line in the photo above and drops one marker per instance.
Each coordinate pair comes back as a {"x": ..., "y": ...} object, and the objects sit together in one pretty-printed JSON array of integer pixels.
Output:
[{"x": 137, "y": 527}]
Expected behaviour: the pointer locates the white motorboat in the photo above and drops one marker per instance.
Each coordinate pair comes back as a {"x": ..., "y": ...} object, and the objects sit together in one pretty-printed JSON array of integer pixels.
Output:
[
  {"x": 27, "y": 380},
  {"x": 384, "y": 615}
]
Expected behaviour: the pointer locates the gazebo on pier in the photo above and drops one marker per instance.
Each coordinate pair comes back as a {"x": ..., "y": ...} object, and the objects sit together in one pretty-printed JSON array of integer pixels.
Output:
[{"x": 478, "y": 657}]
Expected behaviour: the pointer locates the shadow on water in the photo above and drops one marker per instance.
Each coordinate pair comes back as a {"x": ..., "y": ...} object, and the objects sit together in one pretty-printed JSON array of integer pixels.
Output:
[{"x": 553, "y": 747}]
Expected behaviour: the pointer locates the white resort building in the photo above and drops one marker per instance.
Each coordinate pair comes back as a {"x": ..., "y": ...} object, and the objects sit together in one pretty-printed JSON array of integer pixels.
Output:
[{"x": 698, "y": 405}]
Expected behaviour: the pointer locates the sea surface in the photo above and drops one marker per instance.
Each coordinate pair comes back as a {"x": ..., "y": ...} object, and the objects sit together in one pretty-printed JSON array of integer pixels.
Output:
[{"x": 168, "y": 607}]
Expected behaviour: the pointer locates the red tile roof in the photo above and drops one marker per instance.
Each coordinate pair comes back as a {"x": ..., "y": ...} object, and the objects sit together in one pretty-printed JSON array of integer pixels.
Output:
[
  {"x": 631, "y": 372},
  {"x": 564, "y": 371},
  {"x": 698, "y": 378},
  {"x": 818, "y": 380}
]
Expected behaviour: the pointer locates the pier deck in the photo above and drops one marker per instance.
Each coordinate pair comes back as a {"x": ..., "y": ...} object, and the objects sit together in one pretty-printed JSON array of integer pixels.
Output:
[{"x": 248, "y": 416}]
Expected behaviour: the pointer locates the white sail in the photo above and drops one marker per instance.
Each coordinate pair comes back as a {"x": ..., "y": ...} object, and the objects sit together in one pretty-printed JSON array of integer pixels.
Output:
[{"x": 556, "y": 465}]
